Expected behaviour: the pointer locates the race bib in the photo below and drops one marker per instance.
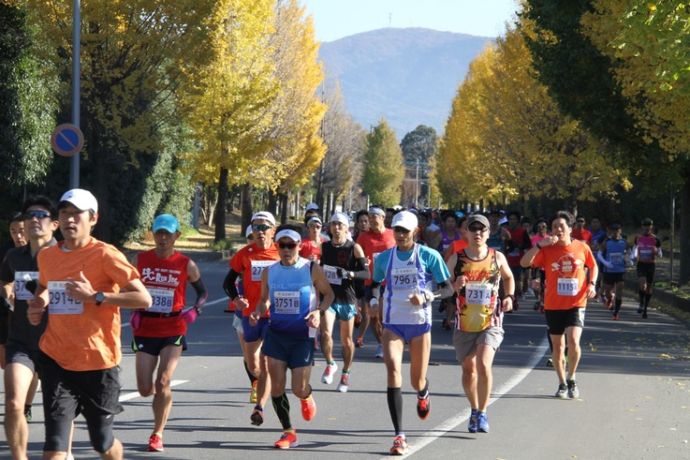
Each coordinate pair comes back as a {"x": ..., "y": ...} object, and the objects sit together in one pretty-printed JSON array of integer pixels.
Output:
[
  {"x": 332, "y": 275},
  {"x": 258, "y": 267},
  {"x": 478, "y": 294},
  {"x": 617, "y": 258},
  {"x": 404, "y": 278},
  {"x": 568, "y": 287},
  {"x": 646, "y": 253},
  {"x": 59, "y": 302},
  {"x": 20, "y": 279},
  {"x": 161, "y": 300},
  {"x": 286, "y": 302}
]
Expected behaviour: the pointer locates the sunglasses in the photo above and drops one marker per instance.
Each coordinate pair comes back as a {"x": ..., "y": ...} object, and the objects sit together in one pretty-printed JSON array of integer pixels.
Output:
[
  {"x": 38, "y": 214},
  {"x": 290, "y": 246},
  {"x": 400, "y": 230},
  {"x": 260, "y": 227},
  {"x": 476, "y": 228}
]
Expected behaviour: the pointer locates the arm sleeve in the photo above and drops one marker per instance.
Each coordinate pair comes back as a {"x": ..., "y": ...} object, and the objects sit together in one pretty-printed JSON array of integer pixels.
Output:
[
  {"x": 229, "y": 284},
  {"x": 362, "y": 269},
  {"x": 201, "y": 293}
]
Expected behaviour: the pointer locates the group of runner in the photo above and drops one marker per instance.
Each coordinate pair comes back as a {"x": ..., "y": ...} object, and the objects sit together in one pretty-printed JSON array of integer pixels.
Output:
[
  {"x": 64, "y": 324},
  {"x": 287, "y": 286}
]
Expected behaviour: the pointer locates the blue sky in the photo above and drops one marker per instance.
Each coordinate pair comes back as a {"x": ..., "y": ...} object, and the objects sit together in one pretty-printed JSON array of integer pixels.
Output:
[{"x": 335, "y": 19}]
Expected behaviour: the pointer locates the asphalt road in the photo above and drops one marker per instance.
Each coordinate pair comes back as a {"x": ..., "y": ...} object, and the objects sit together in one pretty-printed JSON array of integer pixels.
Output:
[{"x": 633, "y": 380}]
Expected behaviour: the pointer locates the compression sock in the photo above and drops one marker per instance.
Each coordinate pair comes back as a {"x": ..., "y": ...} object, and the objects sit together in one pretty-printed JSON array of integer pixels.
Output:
[
  {"x": 252, "y": 377},
  {"x": 395, "y": 407},
  {"x": 282, "y": 408}
]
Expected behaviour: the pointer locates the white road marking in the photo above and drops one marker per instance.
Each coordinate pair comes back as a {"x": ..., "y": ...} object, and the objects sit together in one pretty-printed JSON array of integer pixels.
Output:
[
  {"x": 450, "y": 424},
  {"x": 135, "y": 394},
  {"x": 213, "y": 302}
]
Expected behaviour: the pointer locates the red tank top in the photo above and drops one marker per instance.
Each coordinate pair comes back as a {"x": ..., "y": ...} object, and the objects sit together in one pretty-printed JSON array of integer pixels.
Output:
[{"x": 166, "y": 281}]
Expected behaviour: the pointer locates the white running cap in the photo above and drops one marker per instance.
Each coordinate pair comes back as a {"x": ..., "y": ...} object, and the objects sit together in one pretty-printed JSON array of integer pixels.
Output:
[
  {"x": 265, "y": 215},
  {"x": 81, "y": 199},
  {"x": 287, "y": 233},
  {"x": 406, "y": 220},
  {"x": 340, "y": 217}
]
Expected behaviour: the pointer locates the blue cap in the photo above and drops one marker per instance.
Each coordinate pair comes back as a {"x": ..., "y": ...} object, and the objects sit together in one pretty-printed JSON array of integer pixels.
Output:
[{"x": 166, "y": 222}]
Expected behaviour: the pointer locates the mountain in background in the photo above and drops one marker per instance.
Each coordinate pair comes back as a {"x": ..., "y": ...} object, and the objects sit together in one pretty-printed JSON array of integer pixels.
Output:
[{"x": 408, "y": 76}]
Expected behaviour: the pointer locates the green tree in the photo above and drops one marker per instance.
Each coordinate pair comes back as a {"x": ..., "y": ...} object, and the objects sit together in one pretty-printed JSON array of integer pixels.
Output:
[
  {"x": 590, "y": 82},
  {"x": 29, "y": 106},
  {"x": 383, "y": 166}
]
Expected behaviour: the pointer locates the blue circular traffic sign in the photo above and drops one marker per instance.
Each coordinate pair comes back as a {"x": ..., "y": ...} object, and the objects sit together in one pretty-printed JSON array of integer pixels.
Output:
[{"x": 67, "y": 140}]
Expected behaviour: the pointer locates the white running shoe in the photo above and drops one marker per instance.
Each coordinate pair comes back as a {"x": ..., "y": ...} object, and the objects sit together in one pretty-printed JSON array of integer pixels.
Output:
[
  {"x": 328, "y": 373},
  {"x": 344, "y": 384},
  {"x": 379, "y": 351}
]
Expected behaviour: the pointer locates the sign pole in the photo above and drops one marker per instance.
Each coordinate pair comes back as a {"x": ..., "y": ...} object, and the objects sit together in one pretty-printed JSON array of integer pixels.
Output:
[{"x": 76, "y": 74}]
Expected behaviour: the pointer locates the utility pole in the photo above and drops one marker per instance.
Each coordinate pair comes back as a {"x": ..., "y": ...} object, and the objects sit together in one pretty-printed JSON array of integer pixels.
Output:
[
  {"x": 76, "y": 75},
  {"x": 416, "y": 185}
]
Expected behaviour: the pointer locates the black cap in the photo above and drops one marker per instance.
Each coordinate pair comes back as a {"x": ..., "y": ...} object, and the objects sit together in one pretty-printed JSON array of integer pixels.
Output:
[{"x": 647, "y": 221}]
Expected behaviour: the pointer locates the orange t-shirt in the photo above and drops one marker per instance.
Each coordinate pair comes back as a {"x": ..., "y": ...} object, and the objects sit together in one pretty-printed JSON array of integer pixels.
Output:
[
  {"x": 88, "y": 338},
  {"x": 566, "y": 278},
  {"x": 251, "y": 261}
]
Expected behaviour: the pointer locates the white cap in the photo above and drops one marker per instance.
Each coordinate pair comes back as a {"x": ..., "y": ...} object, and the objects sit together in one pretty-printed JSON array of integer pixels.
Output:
[
  {"x": 502, "y": 221},
  {"x": 81, "y": 199},
  {"x": 375, "y": 210},
  {"x": 265, "y": 215},
  {"x": 315, "y": 219},
  {"x": 340, "y": 217},
  {"x": 248, "y": 231},
  {"x": 287, "y": 233},
  {"x": 311, "y": 207},
  {"x": 406, "y": 220}
]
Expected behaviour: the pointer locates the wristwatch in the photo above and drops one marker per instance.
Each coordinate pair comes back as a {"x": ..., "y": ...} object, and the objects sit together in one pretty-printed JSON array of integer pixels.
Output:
[{"x": 100, "y": 297}]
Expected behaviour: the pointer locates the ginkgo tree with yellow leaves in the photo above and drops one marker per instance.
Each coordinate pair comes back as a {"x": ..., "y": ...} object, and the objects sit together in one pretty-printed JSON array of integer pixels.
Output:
[
  {"x": 228, "y": 102},
  {"x": 506, "y": 139}
]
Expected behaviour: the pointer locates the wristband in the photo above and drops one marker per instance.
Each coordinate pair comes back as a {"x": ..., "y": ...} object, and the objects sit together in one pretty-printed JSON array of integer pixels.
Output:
[{"x": 509, "y": 296}]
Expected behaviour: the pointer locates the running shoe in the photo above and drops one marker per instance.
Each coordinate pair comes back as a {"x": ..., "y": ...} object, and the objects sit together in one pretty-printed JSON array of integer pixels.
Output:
[
  {"x": 359, "y": 342},
  {"x": 423, "y": 407},
  {"x": 536, "y": 305},
  {"x": 573, "y": 391},
  {"x": 446, "y": 324},
  {"x": 379, "y": 351},
  {"x": 615, "y": 317},
  {"x": 399, "y": 446},
  {"x": 344, "y": 384},
  {"x": 549, "y": 362},
  {"x": 287, "y": 439},
  {"x": 639, "y": 309},
  {"x": 562, "y": 391},
  {"x": 253, "y": 394},
  {"x": 644, "y": 315},
  {"x": 472, "y": 424},
  {"x": 27, "y": 413},
  {"x": 257, "y": 417},
  {"x": 482, "y": 422},
  {"x": 308, "y": 408},
  {"x": 328, "y": 373},
  {"x": 155, "y": 443}
]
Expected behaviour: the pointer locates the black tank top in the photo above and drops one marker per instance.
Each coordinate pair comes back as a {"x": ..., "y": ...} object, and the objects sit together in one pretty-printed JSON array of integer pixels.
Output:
[{"x": 342, "y": 257}]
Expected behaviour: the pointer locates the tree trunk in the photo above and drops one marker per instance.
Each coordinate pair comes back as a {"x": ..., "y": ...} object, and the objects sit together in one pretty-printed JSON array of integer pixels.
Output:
[
  {"x": 283, "y": 199},
  {"x": 685, "y": 231},
  {"x": 246, "y": 206},
  {"x": 272, "y": 202},
  {"x": 219, "y": 220}
]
